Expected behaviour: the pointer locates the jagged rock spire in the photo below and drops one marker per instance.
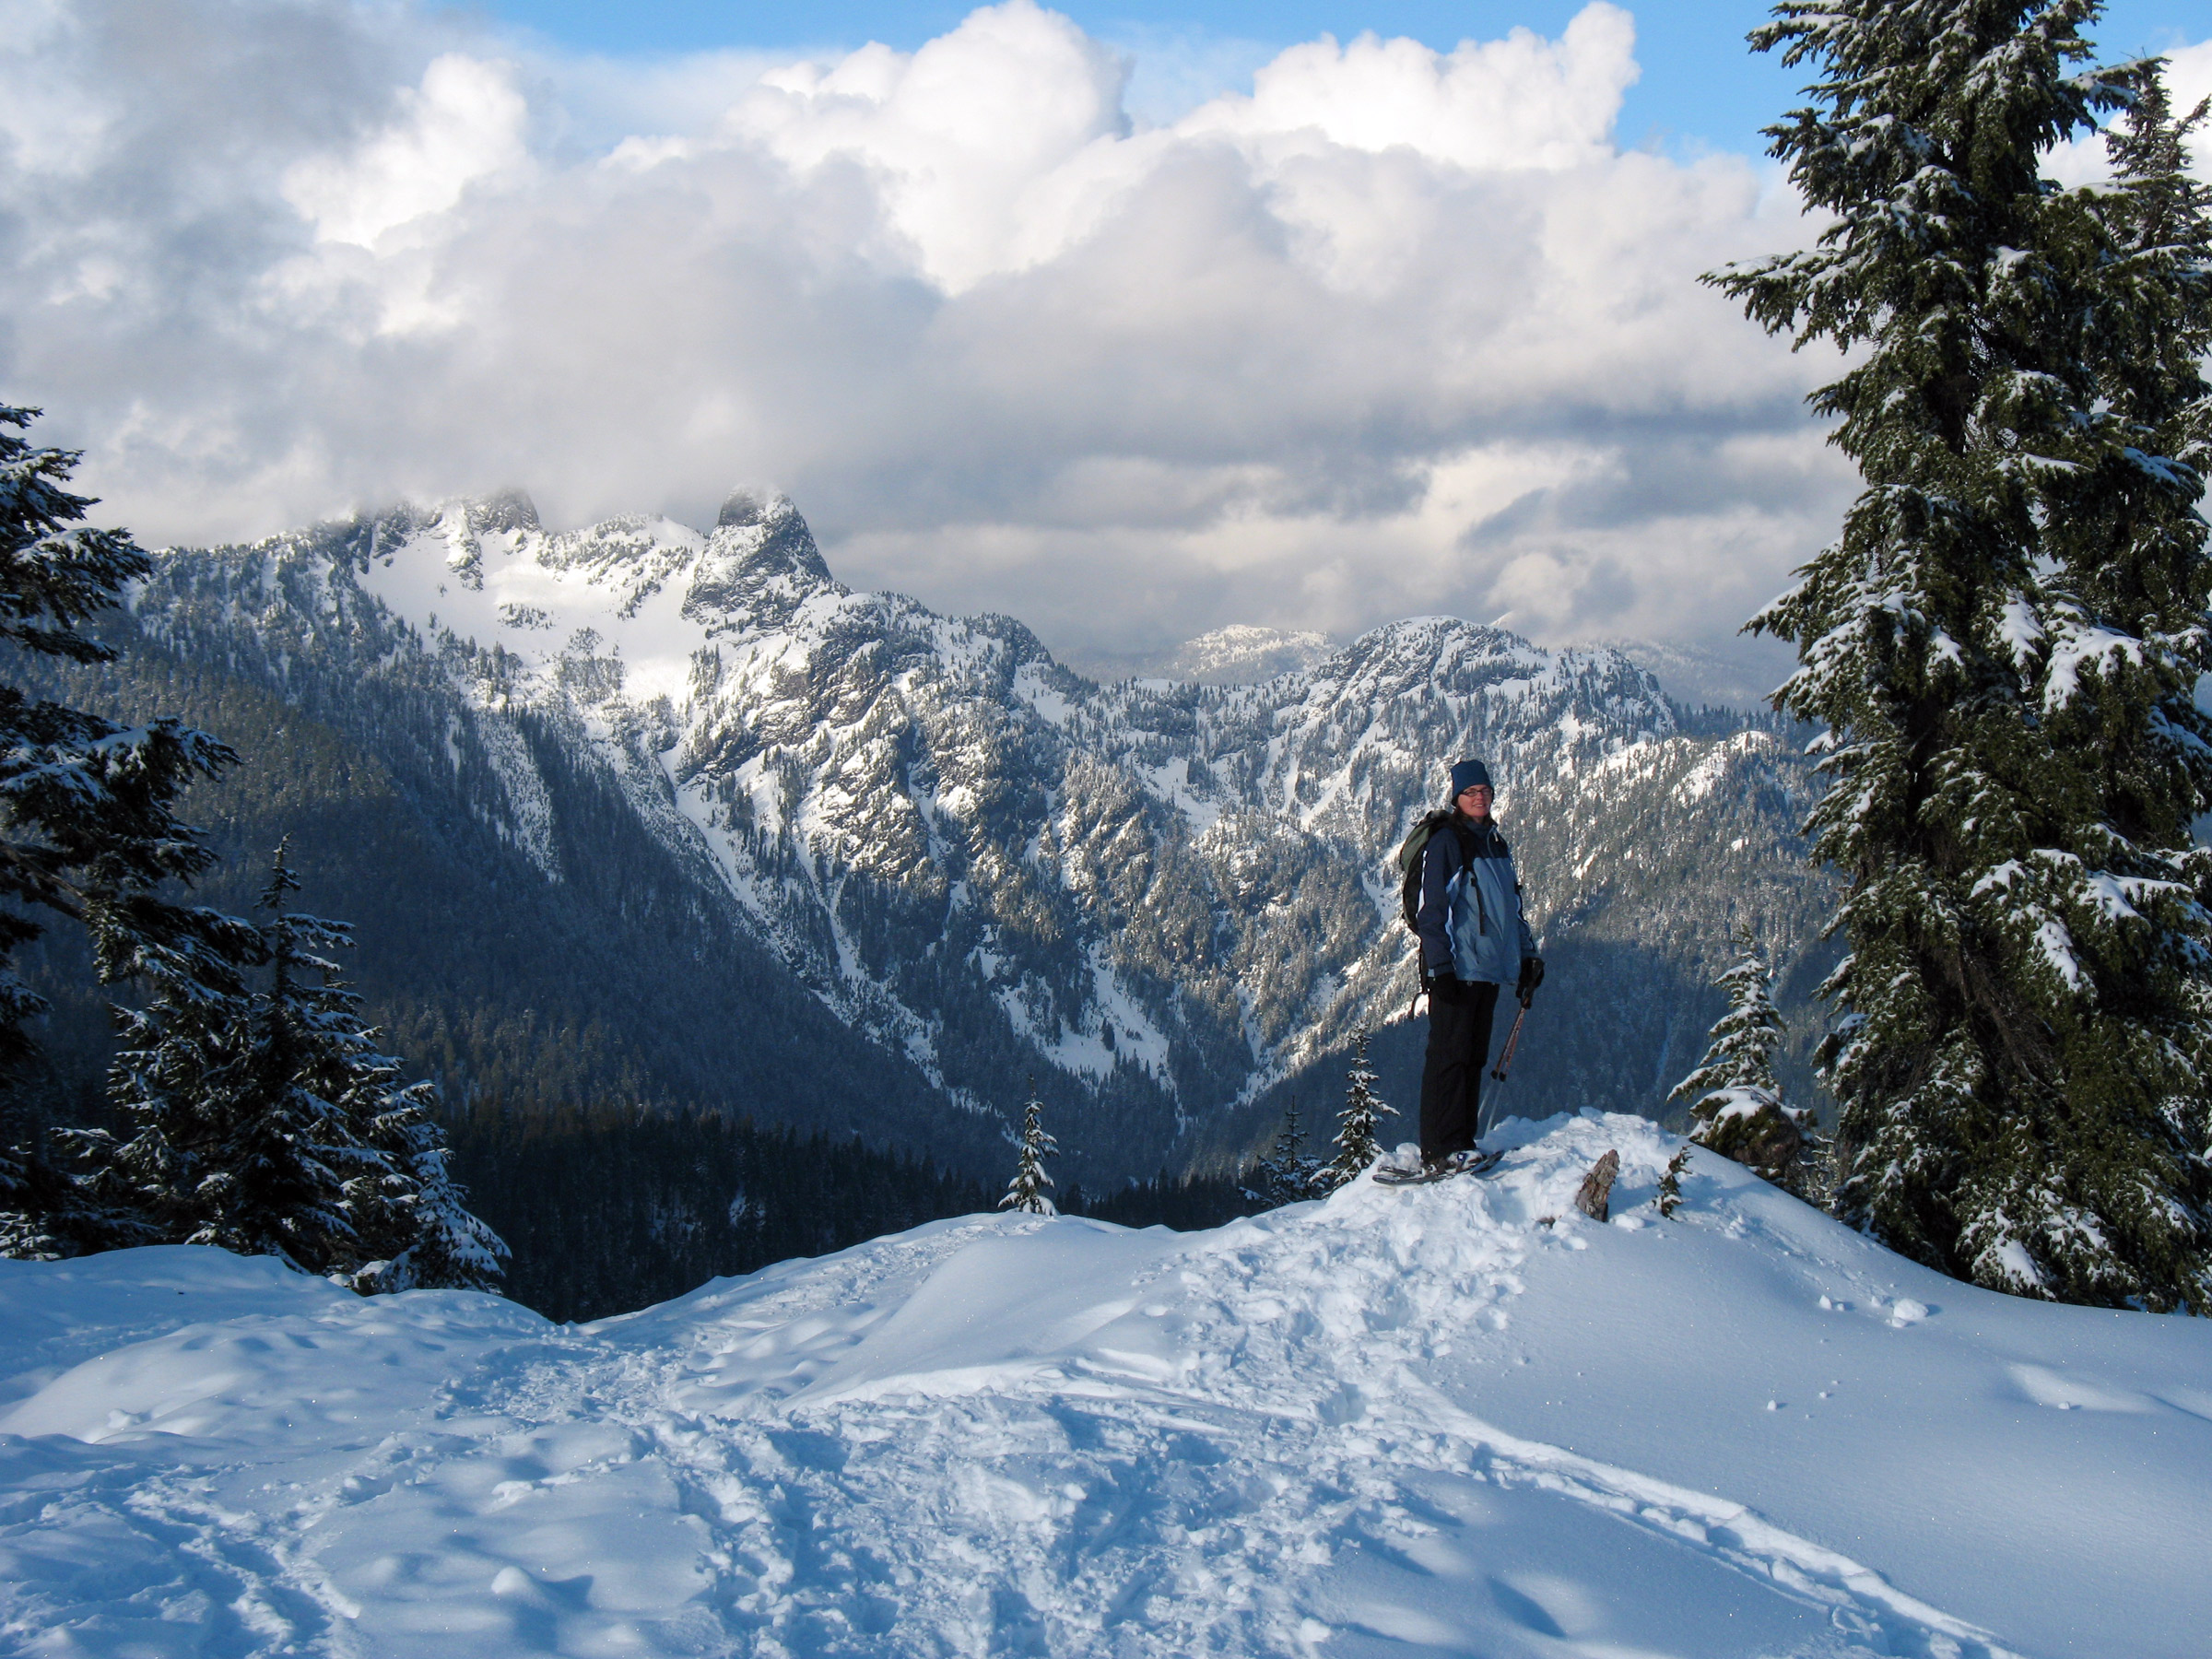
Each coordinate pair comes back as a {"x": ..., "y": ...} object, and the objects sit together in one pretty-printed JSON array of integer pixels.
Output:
[
  {"x": 760, "y": 565},
  {"x": 500, "y": 510},
  {"x": 741, "y": 508}
]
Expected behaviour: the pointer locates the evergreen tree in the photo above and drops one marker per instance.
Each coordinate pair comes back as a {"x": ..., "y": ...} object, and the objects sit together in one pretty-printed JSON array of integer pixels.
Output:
[
  {"x": 1025, "y": 1191},
  {"x": 87, "y": 830},
  {"x": 2003, "y": 647},
  {"x": 1736, "y": 1107},
  {"x": 267, "y": 1124},
  {"x": 48, "y": 1215},
  {"x": 1357, "y": 1143},
  {"x": 31, "y": 1192},
  {"x": 1287, "y": 1174},
  {"x": 238, "y": 1143},
  {"x": 420, "y": 1234},
  {"x": 86, "y": 826}
]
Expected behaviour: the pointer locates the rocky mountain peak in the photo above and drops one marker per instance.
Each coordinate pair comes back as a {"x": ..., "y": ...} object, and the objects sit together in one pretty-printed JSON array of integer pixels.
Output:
[
  {"x": 742, "y": 507},
  {"x": 759, "y": 566},
  {"x": 503, "y": 511},
  {"x": 1171, "y": 899}
]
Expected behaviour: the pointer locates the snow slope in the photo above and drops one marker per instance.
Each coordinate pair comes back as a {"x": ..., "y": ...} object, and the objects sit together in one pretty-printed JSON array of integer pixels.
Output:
[{"x": 1396, "y": 1423}]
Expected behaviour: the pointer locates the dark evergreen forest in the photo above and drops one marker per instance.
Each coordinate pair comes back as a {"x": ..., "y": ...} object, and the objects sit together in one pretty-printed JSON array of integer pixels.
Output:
[
  {"x": 486, "y": 977},
  {"x": 614, "y": 1184},
  {"x": 611, "y": 1207}
]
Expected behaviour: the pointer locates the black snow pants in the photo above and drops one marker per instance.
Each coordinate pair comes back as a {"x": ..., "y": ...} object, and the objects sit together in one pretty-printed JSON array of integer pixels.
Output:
[{"x": 1459, "y": 1049}]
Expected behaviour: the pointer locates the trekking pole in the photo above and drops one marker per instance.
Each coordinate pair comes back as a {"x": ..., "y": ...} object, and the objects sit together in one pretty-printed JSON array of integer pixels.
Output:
[{"x": 1513, "y": 1040}]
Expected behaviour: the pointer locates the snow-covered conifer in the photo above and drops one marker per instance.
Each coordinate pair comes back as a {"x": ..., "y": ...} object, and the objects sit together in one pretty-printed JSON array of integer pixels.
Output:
[
  {"x": 1287, "y": 1175},
  {"x": 1025, "y": 1191},
  {"x": 1358, "y": 1142},
  {"x": 87, "y": 831},
  {"x": 421, "y": 1235},
  {"x": 47, "y": 1214},
  {"x": 268, "y": 1123},
  {"x": 236, "y": 1140},
  {"x": 1736, "y": 1107},
  {"x": 2002, "y": 646},
  {"x": 412, "y": 1229}
]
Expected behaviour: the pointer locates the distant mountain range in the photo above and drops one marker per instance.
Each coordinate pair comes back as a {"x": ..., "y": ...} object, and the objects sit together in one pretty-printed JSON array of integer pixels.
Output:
[
  {"x": 1235, "y": 655},
  {"x": 673, "y": 815},
  {"x": 1745, "y": 677}
]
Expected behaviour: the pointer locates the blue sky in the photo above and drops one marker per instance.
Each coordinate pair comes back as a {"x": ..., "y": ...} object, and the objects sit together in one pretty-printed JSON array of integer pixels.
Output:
[{"x": 1701, "y": 87}]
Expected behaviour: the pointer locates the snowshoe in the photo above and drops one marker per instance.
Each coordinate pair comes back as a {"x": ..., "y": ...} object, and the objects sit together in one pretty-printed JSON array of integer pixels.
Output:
[{"x": 1458, "y": 1163}]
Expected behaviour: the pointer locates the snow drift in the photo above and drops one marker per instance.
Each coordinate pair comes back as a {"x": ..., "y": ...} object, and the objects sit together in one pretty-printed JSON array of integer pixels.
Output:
[{"x": 1398, "y": 1422}]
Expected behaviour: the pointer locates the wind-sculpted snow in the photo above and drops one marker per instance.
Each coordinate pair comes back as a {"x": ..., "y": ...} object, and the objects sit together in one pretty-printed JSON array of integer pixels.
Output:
[
  {"x": 1459, "y": 1418},
  {"x": 1172, "y": 898}
]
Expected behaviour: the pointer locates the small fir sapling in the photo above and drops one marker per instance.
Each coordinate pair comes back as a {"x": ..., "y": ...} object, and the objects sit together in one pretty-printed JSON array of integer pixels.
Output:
[
  {"x": 1287, "y": 1175},
  {"x": 1735, "y": 1103},
  {"x": 427, "y": 1236},
  {"x": 1670, "y": 1184},
  {"x": 1025, "y": 1191},
  {"x": 1358, "y": 1145}
]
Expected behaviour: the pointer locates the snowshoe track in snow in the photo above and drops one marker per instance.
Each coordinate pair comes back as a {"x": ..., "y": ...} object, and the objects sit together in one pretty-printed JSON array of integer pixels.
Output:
[{"x": 996, "y": 1435}]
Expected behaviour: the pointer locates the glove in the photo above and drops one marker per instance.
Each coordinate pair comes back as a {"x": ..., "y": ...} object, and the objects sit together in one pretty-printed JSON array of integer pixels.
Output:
[{"x": 1532, "y": 975}]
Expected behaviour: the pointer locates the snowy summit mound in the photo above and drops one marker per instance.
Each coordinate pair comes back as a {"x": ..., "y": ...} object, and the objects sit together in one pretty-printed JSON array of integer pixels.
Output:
[
  {"x": 1242, "y": 653},
  {"x": 1410, "y": 1421}
]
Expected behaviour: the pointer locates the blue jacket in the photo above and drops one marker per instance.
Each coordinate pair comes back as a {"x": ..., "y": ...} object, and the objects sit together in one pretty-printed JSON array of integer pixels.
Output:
[{"x": 1470, "y": 915}]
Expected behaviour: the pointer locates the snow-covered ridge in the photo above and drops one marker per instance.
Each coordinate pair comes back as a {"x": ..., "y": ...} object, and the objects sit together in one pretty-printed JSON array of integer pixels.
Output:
[
  {"x": 1399, "y": 1422},
  {"x": 1169, "y": 892}
]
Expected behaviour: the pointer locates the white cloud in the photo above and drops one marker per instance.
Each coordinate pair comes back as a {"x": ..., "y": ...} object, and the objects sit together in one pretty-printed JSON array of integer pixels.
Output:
[
  {"x": 462, "y": 124},
  {"x": 2189, "y": 81},
  {"x": 1521, "y": 101},
  {"x": 1397, "y": 331},
  {"x": 984, "y": 143},
  {"x": 2083, "y": 159}
]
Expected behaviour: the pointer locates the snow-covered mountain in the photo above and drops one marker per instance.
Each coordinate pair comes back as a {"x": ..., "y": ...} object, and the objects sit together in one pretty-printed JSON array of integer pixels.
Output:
[
  {"x": 1233, "y": 655},
  {"x": 1169, "y": 900},
  {"x": 1451, "y": 1419},
  {"x": 1242, "y": 653}
]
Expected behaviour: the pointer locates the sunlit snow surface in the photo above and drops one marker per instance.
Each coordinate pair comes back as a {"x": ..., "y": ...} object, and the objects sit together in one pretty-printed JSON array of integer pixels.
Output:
[{"x": 1411, "y": 1421}]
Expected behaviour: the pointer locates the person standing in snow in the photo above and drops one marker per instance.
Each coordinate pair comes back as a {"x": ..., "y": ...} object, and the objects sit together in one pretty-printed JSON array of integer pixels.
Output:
[{"x": 1474, "y": 940}]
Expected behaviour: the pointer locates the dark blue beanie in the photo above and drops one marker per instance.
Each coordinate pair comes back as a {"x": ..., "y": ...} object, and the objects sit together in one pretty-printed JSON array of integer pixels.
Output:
[{"x": 1466, "y": 774}]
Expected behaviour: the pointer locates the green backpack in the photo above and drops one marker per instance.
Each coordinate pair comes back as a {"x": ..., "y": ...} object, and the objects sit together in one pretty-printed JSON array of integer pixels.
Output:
[{"x": 1410, "y": 866}]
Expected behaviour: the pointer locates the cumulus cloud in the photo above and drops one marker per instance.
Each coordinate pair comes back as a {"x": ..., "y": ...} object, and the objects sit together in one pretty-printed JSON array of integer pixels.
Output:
[
  {"x": 463, "y": 123},
  {"x": 1394, "y": 331}
]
